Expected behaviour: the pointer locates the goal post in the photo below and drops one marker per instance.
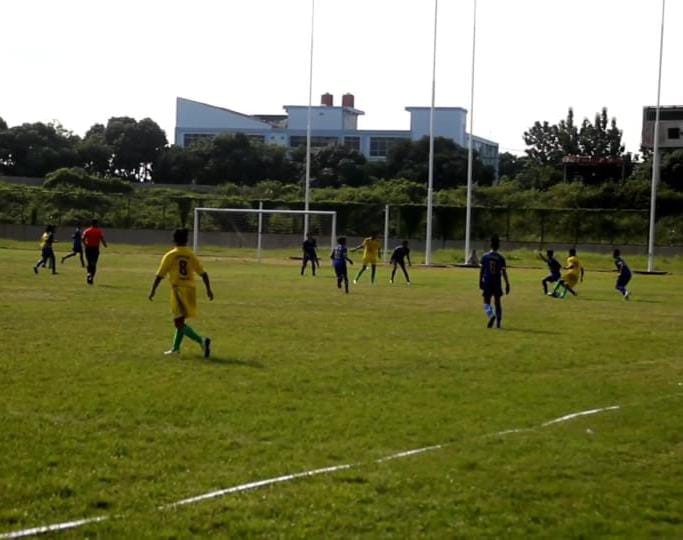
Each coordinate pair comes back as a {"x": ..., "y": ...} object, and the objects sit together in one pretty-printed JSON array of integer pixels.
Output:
[{"x": 259, "y": 214}]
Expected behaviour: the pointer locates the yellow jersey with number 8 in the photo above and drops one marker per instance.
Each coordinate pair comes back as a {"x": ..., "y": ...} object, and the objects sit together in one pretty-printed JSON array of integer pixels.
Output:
[{"x": 180, "y": 264}]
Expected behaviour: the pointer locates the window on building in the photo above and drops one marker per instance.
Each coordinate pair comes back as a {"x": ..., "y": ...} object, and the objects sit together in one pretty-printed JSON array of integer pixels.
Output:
[
  {"x": 257, "y": 138},
  {"x": 379, "y": 146},
  {"x": 316, "y": 142},
  {"x": 192, "y": 138},
  {"x": 352, "y": 143},
  {"x": 674, "y": 133}
]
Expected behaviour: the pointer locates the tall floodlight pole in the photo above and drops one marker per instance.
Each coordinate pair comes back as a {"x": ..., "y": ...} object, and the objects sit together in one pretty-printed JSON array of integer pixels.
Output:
[
  {"x": 470, "y": 150},
  {"x": 655, "y": 156},
  {"x": 430, "y": 181},
  {"x": 308, "y": 125}
]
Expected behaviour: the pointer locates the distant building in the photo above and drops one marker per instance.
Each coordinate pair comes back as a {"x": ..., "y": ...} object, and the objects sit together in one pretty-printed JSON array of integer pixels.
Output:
[
  {"x": 330, "y": 124},
  {"x": 670, "y": 127}
]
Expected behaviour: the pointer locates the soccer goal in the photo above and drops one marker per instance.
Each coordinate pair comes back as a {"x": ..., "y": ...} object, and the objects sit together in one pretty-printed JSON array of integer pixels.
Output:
[{"x": 261, "y": 228}]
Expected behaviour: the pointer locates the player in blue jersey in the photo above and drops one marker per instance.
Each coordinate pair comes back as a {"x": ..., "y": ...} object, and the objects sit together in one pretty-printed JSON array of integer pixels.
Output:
[
  {"x": 339, "y": 258},
  {"x": 77, "y": 248},
  {"x": 624, "y": 274},
  {"x": 555, "y": 269},
  {"x": 398, "y": 258},
  {"x": 491, "y": 270}
]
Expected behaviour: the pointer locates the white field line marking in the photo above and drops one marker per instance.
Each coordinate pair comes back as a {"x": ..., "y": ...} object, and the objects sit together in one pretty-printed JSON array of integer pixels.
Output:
[
  {"x": 258, "y": 484},
  {"x": 286, "y": 478},
  {"x": 53, "y": 528},
  {"x": 576, "y": 415}
]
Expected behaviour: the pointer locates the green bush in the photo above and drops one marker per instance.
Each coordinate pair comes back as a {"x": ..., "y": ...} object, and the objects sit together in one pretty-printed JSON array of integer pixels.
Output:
[{"x": 75, "y": 177}]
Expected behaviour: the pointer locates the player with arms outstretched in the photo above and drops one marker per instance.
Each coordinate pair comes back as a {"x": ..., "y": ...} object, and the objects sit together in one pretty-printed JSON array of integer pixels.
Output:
[
  {"x": 554, "y": 266},
  {"x": 181, "y": 264},
  {"x": 371, "y": 255},
  {"x": 310, "y": 253},
  {"x": 624, "y": 274},
  {"x": 492, "y": 268},
  {"x": 339, "y": 258},
  {"x": 398, "y": 258}
]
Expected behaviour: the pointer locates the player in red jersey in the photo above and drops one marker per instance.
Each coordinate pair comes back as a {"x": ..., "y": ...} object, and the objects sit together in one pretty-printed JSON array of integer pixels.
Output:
[{"x": 92, "y": 238}]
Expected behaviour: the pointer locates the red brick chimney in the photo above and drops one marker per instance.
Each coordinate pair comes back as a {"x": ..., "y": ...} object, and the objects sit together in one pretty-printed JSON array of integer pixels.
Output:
[
  {"x": 327, "y": 99},
  {"x": 348, "y": 100}
]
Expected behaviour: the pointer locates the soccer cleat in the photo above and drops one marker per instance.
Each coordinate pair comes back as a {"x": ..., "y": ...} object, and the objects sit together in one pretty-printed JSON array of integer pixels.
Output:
[
  {"x": 627, "y": 296},
  {"x": 89, "y": 279},
  {"x": 408, "y": 283},
  {"x": 172, "y": 351},
  {"x": 207, "y": 347},
  {"x": 35, "y": 269},
  {"x": 391, "y": 281},
  {"x": 491, "y": 321},
  {"x": 355, "y": 281}
]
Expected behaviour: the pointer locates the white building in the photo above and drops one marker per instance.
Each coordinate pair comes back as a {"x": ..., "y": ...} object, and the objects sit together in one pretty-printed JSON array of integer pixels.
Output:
[{"x": 330, "y": 124}]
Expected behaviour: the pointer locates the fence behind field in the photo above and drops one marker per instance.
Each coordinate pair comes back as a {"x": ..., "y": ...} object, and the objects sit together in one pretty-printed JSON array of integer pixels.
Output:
[{"x": 165, "y": 211}]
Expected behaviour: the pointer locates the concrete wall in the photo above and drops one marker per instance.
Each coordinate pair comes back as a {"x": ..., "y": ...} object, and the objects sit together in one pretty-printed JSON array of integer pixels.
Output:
[{"x": 282, "y": 241}]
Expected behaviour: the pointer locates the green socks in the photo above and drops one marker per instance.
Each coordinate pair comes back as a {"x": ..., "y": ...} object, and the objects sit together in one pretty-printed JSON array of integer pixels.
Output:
[
  {"x": 194, "y": 336},
  {"x": 177, "y": 340},
  {"x": 186, "y": 331}
]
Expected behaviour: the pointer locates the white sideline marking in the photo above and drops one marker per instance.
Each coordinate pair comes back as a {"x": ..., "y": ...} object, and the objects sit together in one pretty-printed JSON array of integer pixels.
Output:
[
  {"x": 286, "y": 478},
  {"x": 257, "y": 484},
  {"x": 576, "y": 415},
  {"x": 53, "y": 528}
]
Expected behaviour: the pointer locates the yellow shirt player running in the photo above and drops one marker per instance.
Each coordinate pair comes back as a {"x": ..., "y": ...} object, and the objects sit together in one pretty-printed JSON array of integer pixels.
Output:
[
  {"x": 181, "y": 264},
  {"x": 372, "y": 250},
  {"x": 572, "y": 276}
]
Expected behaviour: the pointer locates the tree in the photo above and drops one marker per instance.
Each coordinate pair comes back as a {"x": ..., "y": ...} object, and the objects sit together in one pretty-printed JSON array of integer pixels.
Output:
[
  {"x": 176, "y": 165},
  {"x": 136, "y": 146},
  {"x": 510, "y": 165},
  {"x": 3, "y": 124},
  {"x": 544, "y": 145},
  {"x": 549, "y": 144},
  {"x": 333, "y": 166},
  {"x": 409, "y": 159},
  {"x": 95, "y": 155},
  {"x": 36, "y": 149}
]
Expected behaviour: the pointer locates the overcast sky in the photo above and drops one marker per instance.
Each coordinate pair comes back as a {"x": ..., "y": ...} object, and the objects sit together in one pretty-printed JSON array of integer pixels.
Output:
[{"x": 83, "y": 61}]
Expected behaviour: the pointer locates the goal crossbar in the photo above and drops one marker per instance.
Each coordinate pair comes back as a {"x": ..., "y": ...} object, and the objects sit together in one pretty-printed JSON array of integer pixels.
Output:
[{"x": 260, "y": 212}]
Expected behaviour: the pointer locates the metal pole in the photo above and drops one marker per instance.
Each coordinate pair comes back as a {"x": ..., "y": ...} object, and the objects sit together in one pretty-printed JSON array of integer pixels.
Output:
[
  {"x": 470, "y": 150},
  {"x": 430, "y": 184},
  {"x": 334, "y": 231},
  {"x": 655, "y": 156},
  {"x": 386, "y": 232},
  {"x": 195, "y": 236},
  {"x": 260, "y": 232},
  {"x": 308, "y": 124}
]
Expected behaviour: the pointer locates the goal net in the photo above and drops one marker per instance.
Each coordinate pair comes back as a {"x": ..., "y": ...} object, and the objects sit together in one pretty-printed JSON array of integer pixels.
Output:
[{"x": 261, "y": 229}]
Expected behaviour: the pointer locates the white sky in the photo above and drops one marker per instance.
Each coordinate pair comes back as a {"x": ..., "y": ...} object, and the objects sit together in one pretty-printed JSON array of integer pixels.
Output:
[{"x": 83, "y": 61}]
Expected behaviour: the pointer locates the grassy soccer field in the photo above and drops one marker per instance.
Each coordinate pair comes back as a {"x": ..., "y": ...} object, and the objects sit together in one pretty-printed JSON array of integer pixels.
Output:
[{"x": 95, "y": 421}]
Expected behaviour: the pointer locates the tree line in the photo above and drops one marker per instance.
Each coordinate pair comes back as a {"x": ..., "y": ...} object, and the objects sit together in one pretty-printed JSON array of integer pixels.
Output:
[{"x": 138, "y": 151}]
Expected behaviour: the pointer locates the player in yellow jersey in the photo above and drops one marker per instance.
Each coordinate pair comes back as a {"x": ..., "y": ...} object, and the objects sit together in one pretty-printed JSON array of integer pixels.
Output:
[
  {"x": 572, "y": 276},
  {"x": 372, "y": 250},
  {"x": 181, "y": 264}
]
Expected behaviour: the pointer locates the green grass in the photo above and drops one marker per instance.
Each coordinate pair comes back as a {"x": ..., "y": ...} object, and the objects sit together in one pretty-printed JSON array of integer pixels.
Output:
[{"x": 96, "y": 421}]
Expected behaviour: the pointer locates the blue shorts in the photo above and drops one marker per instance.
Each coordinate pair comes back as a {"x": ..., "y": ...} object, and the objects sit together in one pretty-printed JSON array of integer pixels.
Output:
[
  {"x": 340, "y": 270},
  {"x": 552, "y": 278},
  {"x": 623, "y": 280}
]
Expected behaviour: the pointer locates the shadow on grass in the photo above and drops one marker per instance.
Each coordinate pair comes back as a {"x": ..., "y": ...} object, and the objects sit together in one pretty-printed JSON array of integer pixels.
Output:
[
  {"x": 227, "y": 361},
  {"x": 531, "y": 331}
]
